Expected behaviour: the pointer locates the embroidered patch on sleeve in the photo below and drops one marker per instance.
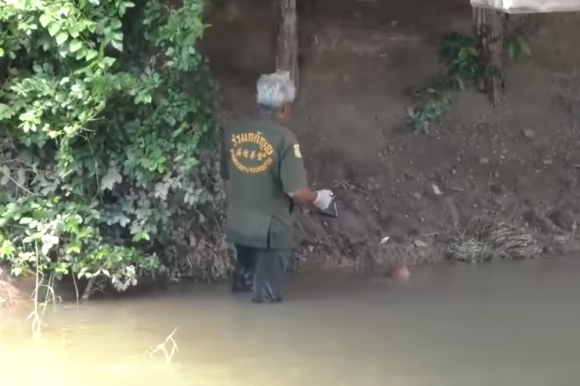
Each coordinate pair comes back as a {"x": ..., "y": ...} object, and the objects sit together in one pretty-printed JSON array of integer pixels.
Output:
[{"x": 297, "y": 152}]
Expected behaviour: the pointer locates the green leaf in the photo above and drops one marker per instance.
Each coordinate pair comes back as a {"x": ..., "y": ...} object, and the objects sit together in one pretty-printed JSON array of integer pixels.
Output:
[
  {"x": 5, "y": 112},
  {"x": 61, "y": 38},
  {"x": 75, "y": 45},
  {"x": 91, "y": 54},
  {"x": 25, "y": 220},
  {"x": 118, "y": 45},
  {"x": 95, "y": 2},
  {"x": 74, "y": 31},
  {"x": 53, "y": 29},
  {"x": 61, "y": 269},
  {"x": 44, "y": 20},
  {"x": 6, "y": 249},
  {"x": 525, "y": 48},
  {"x": 81, "y": 54},
  {"x": 73, "y": 248},
  {"x": 140, "y": 236},
  {"x": 110, "y": 179},
  {"x": 107, "y": 62}
]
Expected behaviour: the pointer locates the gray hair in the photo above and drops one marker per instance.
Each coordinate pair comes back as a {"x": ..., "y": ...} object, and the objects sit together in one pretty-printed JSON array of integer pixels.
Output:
[{"x": 275, "y": 90}]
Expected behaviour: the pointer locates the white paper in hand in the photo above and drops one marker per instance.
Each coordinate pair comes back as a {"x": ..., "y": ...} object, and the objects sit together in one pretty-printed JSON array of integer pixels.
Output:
[
  {"x": 326, "y": 204},
  {"x": 324, "y": 199}
]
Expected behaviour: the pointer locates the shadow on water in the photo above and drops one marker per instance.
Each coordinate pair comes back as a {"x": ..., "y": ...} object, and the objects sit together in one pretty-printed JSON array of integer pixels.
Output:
[{"x": 503, "y": 324}]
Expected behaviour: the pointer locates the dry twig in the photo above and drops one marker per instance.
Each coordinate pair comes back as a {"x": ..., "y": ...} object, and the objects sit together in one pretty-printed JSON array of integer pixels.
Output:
[{"x": 163, "y": 347}]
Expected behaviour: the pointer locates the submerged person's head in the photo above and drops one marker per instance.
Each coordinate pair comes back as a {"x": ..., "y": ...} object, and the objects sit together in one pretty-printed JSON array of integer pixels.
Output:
[{"x": 276, "y": 92}]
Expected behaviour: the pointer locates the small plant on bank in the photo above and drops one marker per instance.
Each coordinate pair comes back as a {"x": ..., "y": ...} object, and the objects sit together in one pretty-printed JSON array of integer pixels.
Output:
[
  {"x": 466, "y": 67},
  {"x": 437, "y": 101},
  {"x": 518, "y": 47}
]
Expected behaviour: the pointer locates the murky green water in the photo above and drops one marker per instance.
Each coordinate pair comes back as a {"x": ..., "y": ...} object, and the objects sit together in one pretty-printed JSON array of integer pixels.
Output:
[{"x": 503, "y": 324}]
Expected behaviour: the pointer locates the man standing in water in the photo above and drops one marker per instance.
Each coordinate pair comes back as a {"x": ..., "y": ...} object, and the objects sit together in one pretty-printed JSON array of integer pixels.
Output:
[{"x": 265, "y": 178}]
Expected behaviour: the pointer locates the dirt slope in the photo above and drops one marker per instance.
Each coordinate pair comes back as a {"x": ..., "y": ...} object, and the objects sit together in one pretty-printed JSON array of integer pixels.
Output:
[{"x": 358, "y": 61}]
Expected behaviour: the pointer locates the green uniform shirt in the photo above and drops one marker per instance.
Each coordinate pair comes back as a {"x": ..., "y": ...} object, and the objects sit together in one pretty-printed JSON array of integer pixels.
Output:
[{"x": 263, "y": 163}]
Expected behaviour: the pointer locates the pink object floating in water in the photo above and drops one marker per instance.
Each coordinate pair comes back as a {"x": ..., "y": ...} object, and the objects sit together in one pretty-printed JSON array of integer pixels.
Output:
[{"x": 400, "y": 273}]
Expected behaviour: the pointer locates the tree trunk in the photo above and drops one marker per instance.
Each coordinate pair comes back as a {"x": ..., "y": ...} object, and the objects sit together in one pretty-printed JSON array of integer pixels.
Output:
[
  {"x": 287, "y": 44},
  {"x": 489, "y": 28}
]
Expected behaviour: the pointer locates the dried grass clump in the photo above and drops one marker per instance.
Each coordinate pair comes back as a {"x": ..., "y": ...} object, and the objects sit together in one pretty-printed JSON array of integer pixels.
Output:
[{"x": 484, "y": 240}]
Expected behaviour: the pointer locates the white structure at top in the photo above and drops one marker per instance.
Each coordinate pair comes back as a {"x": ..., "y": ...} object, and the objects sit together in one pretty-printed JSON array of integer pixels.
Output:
[{"x": 529, "y": 6}]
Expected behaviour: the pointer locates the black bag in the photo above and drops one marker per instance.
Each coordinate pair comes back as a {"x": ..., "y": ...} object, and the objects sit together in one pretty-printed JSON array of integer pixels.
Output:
[{"x": 331, "y": 211}]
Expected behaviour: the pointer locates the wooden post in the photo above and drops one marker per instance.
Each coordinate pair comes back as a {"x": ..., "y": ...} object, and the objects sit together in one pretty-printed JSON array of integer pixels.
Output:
[
  {"x": 489, "y": 28},
  {"x": 287, "y": 43}
]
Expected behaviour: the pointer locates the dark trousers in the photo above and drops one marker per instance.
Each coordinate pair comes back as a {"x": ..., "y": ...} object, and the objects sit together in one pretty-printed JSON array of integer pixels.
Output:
[{"x": 262, "y": 272}]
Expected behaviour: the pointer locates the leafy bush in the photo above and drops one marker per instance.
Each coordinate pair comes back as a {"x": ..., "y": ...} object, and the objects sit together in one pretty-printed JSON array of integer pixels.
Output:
[
  {"x": 462, "y": 56},
  {"x": 466, "y": 66},
  {"x": 464, "y": 59},
  {"x": 107, "y": 140}
]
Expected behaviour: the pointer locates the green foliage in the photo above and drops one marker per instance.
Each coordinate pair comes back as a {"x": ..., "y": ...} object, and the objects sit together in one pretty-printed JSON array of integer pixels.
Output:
[
  {"x": 107, "y": 140},
  {"x": 462, "y": 56},
  {"x": 518, "y": 47},
  {"x": 515, "y": 42},
  {"x": 437, "y": 102},
  {"x": 466, "y": 66},
  {"x": 464, "y": 59}
]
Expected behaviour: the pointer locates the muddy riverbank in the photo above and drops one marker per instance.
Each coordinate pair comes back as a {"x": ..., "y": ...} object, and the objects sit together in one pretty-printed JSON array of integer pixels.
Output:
[{"x": 359, "y": 60}]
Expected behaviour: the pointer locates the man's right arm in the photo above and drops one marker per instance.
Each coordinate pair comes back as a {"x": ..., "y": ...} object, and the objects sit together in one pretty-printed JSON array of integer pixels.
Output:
[
  {"x": 307, "y": 198},
  {"x": 304, "y": 197}
]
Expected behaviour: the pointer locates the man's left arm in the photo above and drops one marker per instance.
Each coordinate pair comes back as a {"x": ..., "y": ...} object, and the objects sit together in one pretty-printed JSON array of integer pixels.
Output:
[
  {"x": 292, "y": 170},
  {"x": 295, "y": 182}
]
